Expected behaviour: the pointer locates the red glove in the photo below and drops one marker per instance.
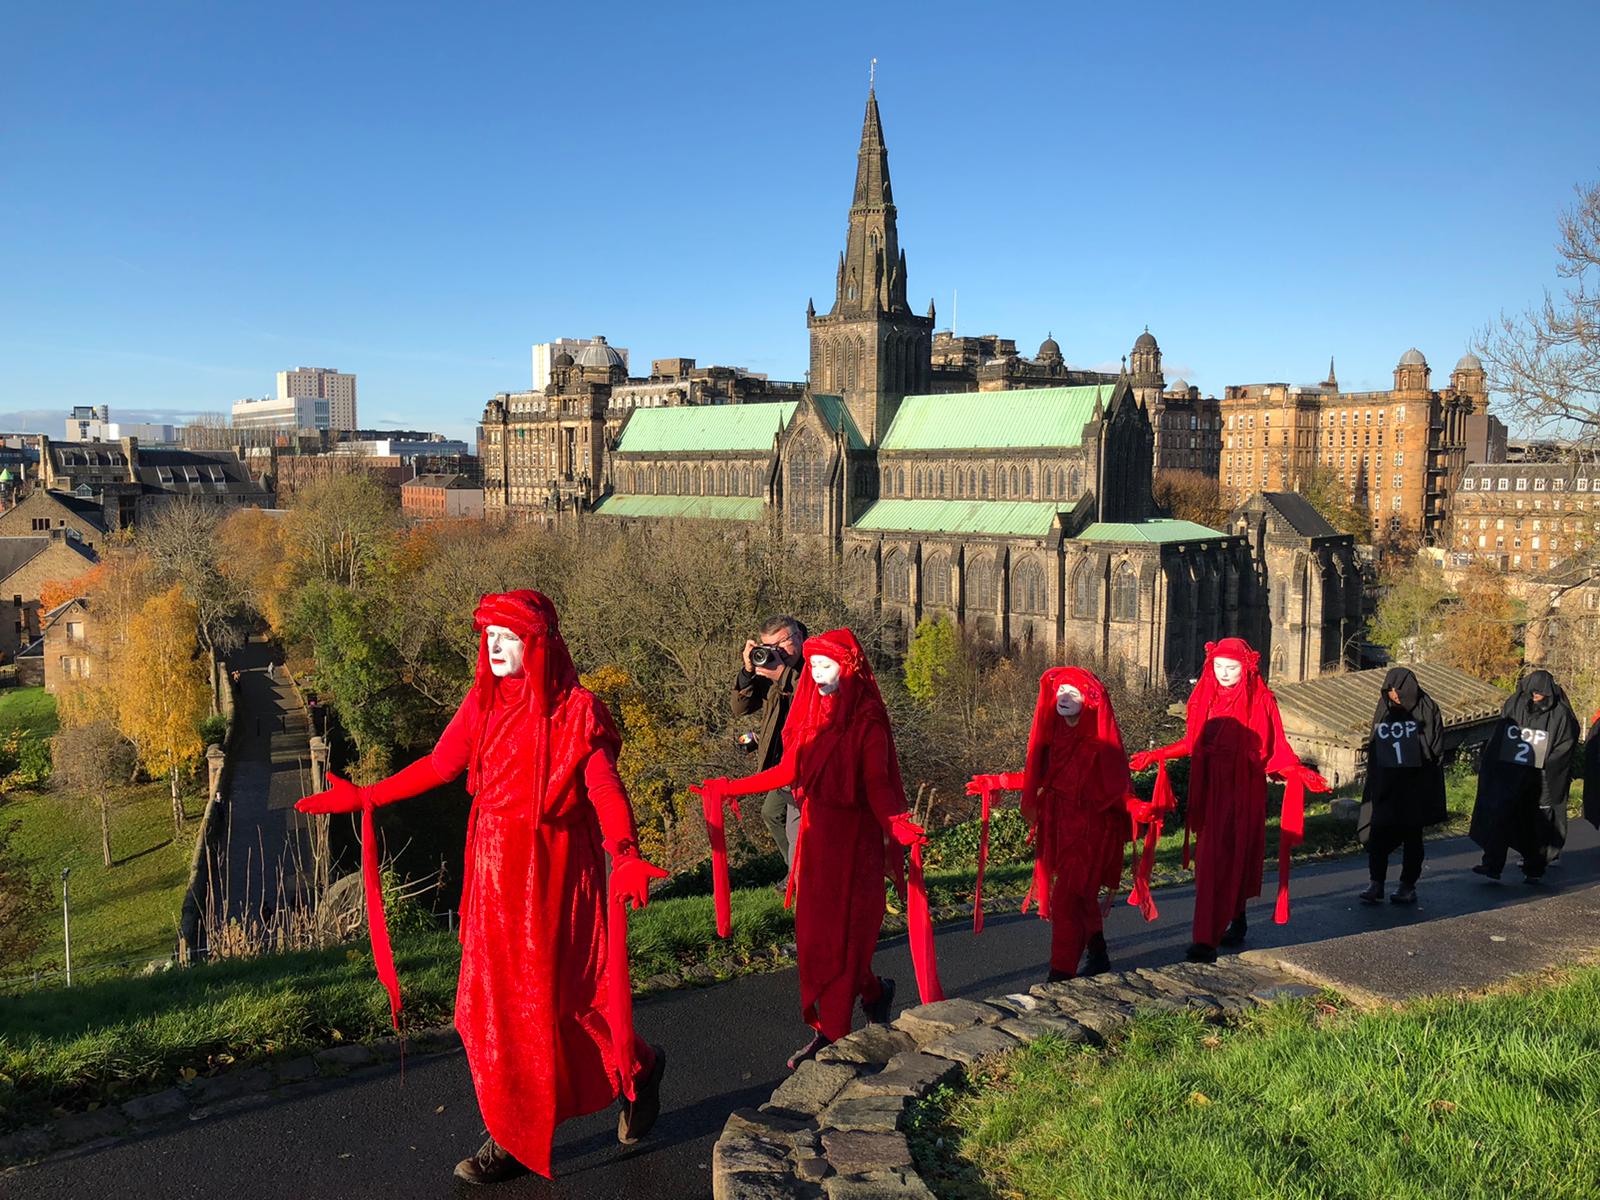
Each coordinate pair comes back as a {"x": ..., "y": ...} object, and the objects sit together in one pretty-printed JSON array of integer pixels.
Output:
[
  {"x": 1310, "y": 780},
  {"x": 1141, "y": 810},
  {"x": 630, "y": 879},
  {"x": 1145, "y": 759},
  {"x": 906, "y": 831},
  {"x": 713, "y": 794},
  {"x": 1007, "y": 781},
  {"x": 342, "y": 796}
]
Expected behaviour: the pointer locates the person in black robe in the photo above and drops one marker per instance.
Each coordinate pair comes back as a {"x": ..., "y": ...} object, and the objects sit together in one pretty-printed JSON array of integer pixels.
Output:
[
  {"x": 1404, "y": 791},
  {"x": 1523, "y": 779},
  {"x": 1591, "y": 773}
]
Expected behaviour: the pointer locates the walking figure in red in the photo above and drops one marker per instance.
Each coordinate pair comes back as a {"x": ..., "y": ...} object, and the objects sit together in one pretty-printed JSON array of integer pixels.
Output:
[
  {"x": 1234, "y": 737},
  {"x": 839, "y": 758},
  {"x": 1080, "y": 813},
  {"x": 543, "y": 1005}
]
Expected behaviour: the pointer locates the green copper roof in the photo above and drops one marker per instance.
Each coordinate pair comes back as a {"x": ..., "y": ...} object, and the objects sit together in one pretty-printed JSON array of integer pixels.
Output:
[
  {"x": 1014, "y": 420},
  {"x": 5, "y": 475},
  {"x": 723, "y": 508},
  {"x": 708, "y": 427},
  {"x": 1013, "y": 518},
  {"x": 1148, "y": 531},
  {"x": 837, "y": 413}
]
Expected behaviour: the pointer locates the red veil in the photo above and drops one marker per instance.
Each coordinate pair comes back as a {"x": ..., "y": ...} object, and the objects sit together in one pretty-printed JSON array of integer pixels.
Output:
[
  {"x": 1090, "y": 752},
  {"x": 1242, "y": 724}
]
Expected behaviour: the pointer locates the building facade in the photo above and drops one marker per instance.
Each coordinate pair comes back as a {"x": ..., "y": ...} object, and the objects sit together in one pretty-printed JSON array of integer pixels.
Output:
[
  {"x": 1524, "y": 518},
  {"x": 441, "y": 497},
  {"x": 280, "y": 414},
  {"x": 1397, "y": 453},
  {"x": 335, "y": 388}
]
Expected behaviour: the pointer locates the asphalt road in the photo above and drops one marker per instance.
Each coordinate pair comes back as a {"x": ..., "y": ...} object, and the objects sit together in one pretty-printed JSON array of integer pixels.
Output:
[{"x": 376, "y": 1137}]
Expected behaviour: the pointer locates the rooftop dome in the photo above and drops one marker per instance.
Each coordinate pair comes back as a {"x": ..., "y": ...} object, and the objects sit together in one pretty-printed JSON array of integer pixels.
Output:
[
  {"x": 1145, "y": 341},
  {"x": 1469, "y": 362},
  {"x": 1413, "y": 358},
  {"x": 598, "y": 354},
  {"x": 563, "y": 360},
  {"x": 1049, "y": 349},
  {"x": 1178, "y": 385}
]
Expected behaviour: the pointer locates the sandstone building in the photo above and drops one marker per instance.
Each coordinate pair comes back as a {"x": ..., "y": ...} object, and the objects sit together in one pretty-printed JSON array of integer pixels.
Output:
[
  {"x": 1524, "y": 518},
  {"x": 1399, "y": 453}
]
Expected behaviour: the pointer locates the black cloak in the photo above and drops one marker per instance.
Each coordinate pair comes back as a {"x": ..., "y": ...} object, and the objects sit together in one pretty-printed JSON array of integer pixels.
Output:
[
  {"x": 1520, "y": 804},
  {"x": 1591, "y": 774},
  {"x": 1405, "y": 760}
]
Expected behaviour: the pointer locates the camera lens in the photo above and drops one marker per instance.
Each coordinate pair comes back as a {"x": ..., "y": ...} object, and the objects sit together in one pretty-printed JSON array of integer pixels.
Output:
[{"x": 763, "y": 656}]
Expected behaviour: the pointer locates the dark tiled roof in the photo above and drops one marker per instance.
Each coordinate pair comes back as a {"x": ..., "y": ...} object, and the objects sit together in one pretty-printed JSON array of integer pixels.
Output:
[
  {"x": 1297, "y": 511},
  {"x": 1341, "y": 706},
  {"x": 17, "y": 552}
]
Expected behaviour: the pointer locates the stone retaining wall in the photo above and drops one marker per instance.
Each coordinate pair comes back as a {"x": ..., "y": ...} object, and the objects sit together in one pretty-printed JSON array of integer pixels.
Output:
[{"x": 834, "y": 1128}]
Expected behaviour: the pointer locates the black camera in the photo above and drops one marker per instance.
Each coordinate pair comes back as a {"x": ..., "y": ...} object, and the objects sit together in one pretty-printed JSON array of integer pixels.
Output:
[
  {"x": 748, "y": 742},
  {"x": 765, "y": 656}
]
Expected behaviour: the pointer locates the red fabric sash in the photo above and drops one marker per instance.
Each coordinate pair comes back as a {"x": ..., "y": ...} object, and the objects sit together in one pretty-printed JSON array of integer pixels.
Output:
[
  {"x": 619, "y": 1006},
  {"x": 711, "y": 802},
  {"x": 377, "y": 923},
  {"x": 1162, "y": 801},
  {"x": 1291, "y": 832},
  {"x": 983, "y": 858},
  {"x": 919, "y": 932}
]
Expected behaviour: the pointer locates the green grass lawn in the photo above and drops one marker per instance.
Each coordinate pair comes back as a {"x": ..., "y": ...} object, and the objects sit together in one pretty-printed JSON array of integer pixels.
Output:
[
  {"x": 125, "y": 912},
  {"x": 1486, "y": 1098},
  {"x": 31, "y": 709}
]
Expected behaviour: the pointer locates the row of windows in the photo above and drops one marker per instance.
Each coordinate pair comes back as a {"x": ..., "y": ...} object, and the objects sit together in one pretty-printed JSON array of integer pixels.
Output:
[
  {"x": 693, "y": 480},
  {"x": 1055, "y": 483},
  {"x": 1030, "y": 592},
  {"x": 1503, "y": 484}
]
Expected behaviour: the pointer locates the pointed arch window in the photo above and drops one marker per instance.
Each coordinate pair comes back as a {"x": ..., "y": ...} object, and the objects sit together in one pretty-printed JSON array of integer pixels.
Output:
[
  {"x": 936, "y": 579},
  {"x": 1075, "y": 483},
  {"x": 887, "y": 487},
  {"x": 900, "y": 482},
  {"x": 980, "y": 585},
  {"x": 1027, "y": 483},
  {"x": 1086, "y": 591},
  {"x": 1125, "y": 593},
  {"x": 897, "y": 577},
  {"x": 941, "y": 483},
  {"x": 1028, "y": 587},
  {"x": 1014, "y": 491},
  {"x": 805, "y": 490},
  {"x": 1000, "y": 482},
  {"x": 983, "y": 484}
]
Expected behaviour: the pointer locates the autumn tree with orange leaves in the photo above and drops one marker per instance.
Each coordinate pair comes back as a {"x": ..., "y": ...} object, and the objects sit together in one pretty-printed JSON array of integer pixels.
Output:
[{"x": 161, "y": 691}]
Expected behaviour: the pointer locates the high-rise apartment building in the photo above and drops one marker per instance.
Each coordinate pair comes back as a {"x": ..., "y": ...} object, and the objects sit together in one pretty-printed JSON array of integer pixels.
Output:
[{"x": 322, "y": 383}]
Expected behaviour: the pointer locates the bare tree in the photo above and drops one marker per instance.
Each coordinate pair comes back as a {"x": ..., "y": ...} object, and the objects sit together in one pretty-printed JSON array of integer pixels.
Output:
[
  {"x": 181, "y": 546},
  {"x": 1545, "y": 361},
  {"x": 89, "y": 763}
]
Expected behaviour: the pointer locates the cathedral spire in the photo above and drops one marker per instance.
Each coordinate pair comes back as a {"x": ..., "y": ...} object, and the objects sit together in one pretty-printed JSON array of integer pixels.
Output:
[{"x": 872, "y": 161}]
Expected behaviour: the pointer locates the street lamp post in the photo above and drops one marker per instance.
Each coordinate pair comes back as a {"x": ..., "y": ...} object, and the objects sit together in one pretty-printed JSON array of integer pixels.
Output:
[{"x": 66, "y": 922}]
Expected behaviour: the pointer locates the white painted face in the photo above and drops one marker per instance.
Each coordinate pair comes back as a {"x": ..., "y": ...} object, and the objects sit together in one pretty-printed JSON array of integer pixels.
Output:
[
  {"x": 1069, "y": 701},
  {"x": 505, "y": 652},
  {"x": 1228, "y": 671},
  {"x": 825, "y": 674}
]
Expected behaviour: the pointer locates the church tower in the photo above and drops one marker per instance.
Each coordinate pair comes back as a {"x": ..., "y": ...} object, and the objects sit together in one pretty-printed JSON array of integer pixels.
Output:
[{"x": 871, "y": 349}]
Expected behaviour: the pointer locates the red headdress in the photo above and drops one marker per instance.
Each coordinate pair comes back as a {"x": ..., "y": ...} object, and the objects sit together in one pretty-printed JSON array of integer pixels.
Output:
[
  {"x": 823, "y": 734},
  {"x": 1248, "y": 705},
  {"x": 1052, "y": 740}
]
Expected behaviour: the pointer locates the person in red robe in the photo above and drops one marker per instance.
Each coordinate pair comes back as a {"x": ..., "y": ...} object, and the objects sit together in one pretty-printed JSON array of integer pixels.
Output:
[
  {"x": 1078, "y": 805},
  {"x": 543, "y": 1004},
  {"x": 1234, "y": 737},
  {"x": 839, "y": 759}
]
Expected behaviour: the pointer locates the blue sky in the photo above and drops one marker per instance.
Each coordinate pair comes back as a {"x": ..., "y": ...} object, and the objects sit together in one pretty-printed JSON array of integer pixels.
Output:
[{"x": 195, "y": 196}]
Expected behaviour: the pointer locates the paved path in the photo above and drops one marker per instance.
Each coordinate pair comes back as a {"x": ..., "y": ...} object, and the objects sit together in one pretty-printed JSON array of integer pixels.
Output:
[
  {"x": 374, "y": 1137},
  {"x": 271, "y": 771}
]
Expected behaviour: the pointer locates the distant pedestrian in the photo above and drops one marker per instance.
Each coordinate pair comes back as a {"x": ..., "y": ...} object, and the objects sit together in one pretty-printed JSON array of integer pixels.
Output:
[
  {"x": 1404, "y": 790},
  {"x": 1523, "y": 779}
]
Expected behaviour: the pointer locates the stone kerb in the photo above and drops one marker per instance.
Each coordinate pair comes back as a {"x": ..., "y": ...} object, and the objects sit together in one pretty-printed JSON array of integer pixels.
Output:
[{"x": 834, "y": 1128}]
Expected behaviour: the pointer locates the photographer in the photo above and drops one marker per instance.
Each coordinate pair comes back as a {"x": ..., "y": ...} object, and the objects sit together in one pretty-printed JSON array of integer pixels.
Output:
[{"x": 766, "y": 686}]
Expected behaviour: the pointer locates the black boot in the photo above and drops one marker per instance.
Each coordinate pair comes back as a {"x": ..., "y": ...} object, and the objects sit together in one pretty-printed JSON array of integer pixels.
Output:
[
  {"x": 1483, "y": 869},
  {"x": 1373, "y": 894},
  {"x": 1056, "y": 976},
  {"x": 491, "y": 1164},
  {"x": 877, "y": 1012},
  {"x": 1096, "y": 959},
  {"x": 639, "y": 1115},
  {"x": 1201, "y": 953},
  {"x": 1234, "y": 934},
  {"x": 1406, "y": 893},
  {"x": 809, "y": 1051}
]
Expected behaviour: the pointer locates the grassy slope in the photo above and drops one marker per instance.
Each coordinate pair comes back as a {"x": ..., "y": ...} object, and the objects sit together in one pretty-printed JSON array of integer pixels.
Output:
[
  {"x": 126, "y": 912},
  {"x": 1493, "y": 1097},
  {"x": 32, "y": 709}
]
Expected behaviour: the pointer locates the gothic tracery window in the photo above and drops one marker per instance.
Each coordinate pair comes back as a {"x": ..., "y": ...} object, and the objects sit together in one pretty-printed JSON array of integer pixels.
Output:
[
  {"x": 1125, "y": 593},
  {"x": 896, "y": 577},
  {"x": 936, "y": 579},
  {"x": 1086, "y": 591},
  {"x": 805, "y": 496},
  {"x": 1028, "y": 591}
]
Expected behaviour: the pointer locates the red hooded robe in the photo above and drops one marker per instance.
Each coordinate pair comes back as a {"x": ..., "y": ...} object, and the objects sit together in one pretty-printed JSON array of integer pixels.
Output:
[
  {"x": 1235, "y": 737},
  {"x": 839, "y": 757},
  {"x": 543, "y": 1004},
  {"x": 1075, "y": 798}
]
